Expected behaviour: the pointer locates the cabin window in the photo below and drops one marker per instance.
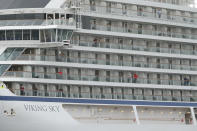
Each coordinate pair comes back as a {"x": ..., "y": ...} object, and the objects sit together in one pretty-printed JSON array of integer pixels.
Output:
[
  {"x": 2, "y": 35},
  {"x": 9, "y": 35},
  {"x": 34, "y": 35},
  {"x": 26, "y": 34},
  {"x": 18, "y": 35}
]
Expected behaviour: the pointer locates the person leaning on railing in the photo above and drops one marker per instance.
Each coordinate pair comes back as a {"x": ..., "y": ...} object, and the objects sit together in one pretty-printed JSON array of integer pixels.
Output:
[
  {"x": 135, "y": 77},
  {"x": 186, "y": 81}
]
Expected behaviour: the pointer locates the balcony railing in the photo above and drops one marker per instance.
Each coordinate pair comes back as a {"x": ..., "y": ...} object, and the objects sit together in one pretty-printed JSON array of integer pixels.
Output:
[
  {"x": 169, "y": 34},
  {"x": 64, "y": 76},
  {"x": 141, "y": 14},
  {"x": 97, "y": 95},
  {"x": 179, "y": 2},
  {"x": 86, "y": 60},
  {"x": 135, "y": 47},
  {"x": 36, "y": 22}
]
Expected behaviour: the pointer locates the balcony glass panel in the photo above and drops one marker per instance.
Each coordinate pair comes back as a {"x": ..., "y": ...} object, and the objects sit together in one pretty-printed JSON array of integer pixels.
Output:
[
  {"x": 104, "y": 93},
  {"x": 34, "y": 35},
  {"x": 37, "y": 22},
  {"x": 157, "y": 14},
  {"x": 138, "y": 48},
  {"x": 2, "y": 35},
  {"x": 139, "y": 80},
  {"x": 9, "y": 35},
  {"x": 146, "y": 32},
  {"x": 26, "y": 34},
  {"x": 18, "y": 35},
  {"x": 87, "y": 60}
]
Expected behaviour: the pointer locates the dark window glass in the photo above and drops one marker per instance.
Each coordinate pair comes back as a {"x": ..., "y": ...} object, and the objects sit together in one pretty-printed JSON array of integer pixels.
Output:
[
  {"x": 10, "y": 17},
  {"x": 29, "y": 16},
  {"x": 2, "y": 35},
  {"x": 21, "y": 16},
  {"x": 53, "y": 35},
  {"x": 42, "y": 37},
  {"x": 10, "y": 35},
  {"x": 56, "y": 16},
  {"x": 34, "y": 35},
  {"x": 2, "y": 17},
  {"x": 48, "y": 35},
  {"x": 39, "y": 16},
  {"x": 18, "y": 34},
  {"x": 26, "y": 34},
  {"x": 59, "y": 35}
]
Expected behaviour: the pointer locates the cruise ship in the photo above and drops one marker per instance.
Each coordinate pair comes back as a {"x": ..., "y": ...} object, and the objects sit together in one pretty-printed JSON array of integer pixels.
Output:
[{"x": 98, "y": 65}]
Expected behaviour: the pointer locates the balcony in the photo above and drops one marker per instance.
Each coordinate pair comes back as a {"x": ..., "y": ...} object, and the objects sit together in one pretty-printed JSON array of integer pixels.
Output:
[
  {"x": 135, "y": 47},
  {"x": 86, "y": 60},
  {"x": 139, "y": 14},
  {"x": 62, "y": 76},
  {"x": 125, "y": 95},
  {"x": 160, "y": 33}
]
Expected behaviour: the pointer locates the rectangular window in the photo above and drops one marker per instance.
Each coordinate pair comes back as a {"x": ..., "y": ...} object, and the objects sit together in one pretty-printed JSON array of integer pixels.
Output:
[
  {"x": 10, "y": 35},
  {"x": 2, "y": 35},
  {"x": 35, "y": 35},
  {"x": 42, "y": 36},
  {"x": 18, "y": 34},
  {"x": 48, "y": 35},
  {"x": 26, "y": 34},
  {"x": 53, "y": 35}
]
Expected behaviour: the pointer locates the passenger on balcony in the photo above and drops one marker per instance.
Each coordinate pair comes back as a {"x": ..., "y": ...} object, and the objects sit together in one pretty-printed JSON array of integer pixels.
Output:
[
  {"x": 62, "y": 20},
  {"x": 135, "y": 77},
  {"x": 95, "y": 42},
  {"x": 35, "y": 91},
  {"x": 186, "y": 81},
  {"x": 140, "y": 11},
  {"x": 129, "y": 78},
  {"x": 70, "y": 21},
  {"x": 50, "y": 20},
  {"x": 22, "y": 92},
  {"x": 159, "y": 13},
  {"x": 60, "y": 93}
]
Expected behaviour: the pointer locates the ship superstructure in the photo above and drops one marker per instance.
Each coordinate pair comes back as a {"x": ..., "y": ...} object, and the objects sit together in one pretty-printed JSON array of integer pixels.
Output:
[{"x": 111, "y": 51}]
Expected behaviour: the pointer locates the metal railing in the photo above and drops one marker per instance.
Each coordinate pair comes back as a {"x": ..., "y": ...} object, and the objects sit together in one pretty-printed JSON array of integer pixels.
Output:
[
  {"x": 97, "y": 95},
  {"x": 170, "y": 34},
  {"x": 142, "y": 13},
  {"x": 36, "y": 22},
  {"x": 116, "y": 79},
  {"x": 135, "y": 47},
  {"x": 86, "y": 60}
]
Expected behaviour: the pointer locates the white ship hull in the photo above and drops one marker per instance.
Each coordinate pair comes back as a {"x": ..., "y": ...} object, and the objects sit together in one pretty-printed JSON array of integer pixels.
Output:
[
  {"x": 43, "y": 114},
  {"x": 98, "y": 65},
  {"x": 27, "y": 120}
]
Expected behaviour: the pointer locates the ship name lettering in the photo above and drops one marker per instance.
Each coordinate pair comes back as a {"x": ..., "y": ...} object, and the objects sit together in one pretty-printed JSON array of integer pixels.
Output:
[{"x": 41, "y": 108}]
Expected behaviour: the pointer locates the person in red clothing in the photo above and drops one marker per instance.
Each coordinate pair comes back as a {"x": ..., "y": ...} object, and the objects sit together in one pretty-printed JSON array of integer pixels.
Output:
[
  {"x": 135, "y": 77},
  {"x": 22, "y": 90}
]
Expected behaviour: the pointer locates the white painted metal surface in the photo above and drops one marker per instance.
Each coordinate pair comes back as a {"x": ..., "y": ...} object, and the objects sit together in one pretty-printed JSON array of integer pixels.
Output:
[
  {"x": 193, "y": 116},
  {"x": 39, "y": 116},
  {"x": 94, "y": 83},
  {"x": 136, "y": 115}
]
